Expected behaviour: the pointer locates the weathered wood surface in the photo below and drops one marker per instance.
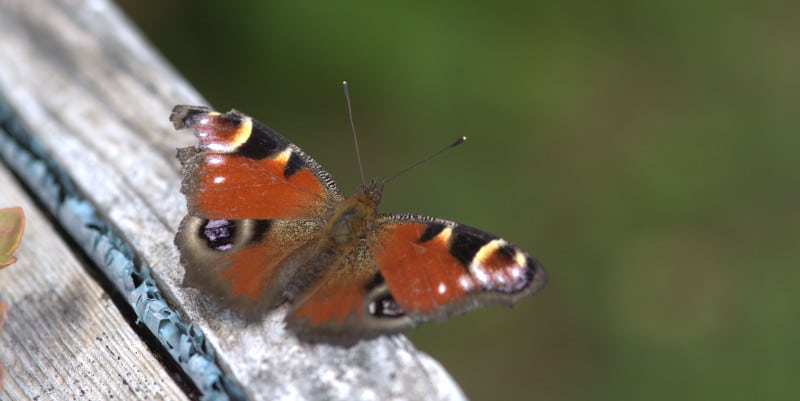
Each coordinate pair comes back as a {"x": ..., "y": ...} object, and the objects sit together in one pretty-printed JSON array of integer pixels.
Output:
[
  {"x": 98, "y": 98},
  {"x": 64, "y": 339}
]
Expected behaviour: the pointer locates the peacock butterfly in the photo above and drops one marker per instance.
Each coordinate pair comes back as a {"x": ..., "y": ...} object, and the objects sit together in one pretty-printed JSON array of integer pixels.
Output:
[{"x": 267, "y": 224}]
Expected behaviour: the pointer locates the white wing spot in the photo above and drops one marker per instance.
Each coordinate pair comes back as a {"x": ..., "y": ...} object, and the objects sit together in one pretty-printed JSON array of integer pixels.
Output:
[
  {"x": 466, "y": 282},
  {"x": 215, "y": 160},
  {"x": 480, "y": 274},
  {"x": 217, "y": 147},
  {"x": 230, "y": 145}
]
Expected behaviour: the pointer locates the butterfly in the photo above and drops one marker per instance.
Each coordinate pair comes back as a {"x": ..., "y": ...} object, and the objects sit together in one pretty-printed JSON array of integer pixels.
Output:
[{"x": 267, "y": 225}]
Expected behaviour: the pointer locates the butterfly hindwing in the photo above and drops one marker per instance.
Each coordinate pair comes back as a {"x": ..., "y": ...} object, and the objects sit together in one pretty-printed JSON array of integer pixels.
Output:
[
  {"x": 244, "y": 264},
  {"x": 348, "y": 302}
]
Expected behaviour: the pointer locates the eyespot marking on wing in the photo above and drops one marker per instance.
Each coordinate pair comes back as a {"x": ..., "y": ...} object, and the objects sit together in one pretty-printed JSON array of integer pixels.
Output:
[{"x": 498, "y": 266}]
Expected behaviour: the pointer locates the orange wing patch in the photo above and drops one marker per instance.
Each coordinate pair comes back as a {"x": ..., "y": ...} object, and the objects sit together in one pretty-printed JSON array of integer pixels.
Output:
[
  {"x": 334, "y": 300},
  {"x": 237, "y": 187},
  {"x": 422, "y": 276},
  {"x": 249, "y": 270}
]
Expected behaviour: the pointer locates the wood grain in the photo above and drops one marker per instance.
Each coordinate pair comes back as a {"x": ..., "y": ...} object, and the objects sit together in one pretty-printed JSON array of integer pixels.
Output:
[
  {"x": 63, "y": 338},
  {"x": 98, "y": 98}
]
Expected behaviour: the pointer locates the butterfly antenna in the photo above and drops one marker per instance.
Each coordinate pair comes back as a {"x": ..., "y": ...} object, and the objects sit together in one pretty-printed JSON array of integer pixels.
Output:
[
  {"x": 455, "y": 143},
  {"x": 346, "y": 87}
]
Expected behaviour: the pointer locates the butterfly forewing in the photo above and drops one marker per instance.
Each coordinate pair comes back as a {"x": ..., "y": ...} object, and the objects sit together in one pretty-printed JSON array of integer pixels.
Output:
[
  {"x": 436, "y": 268},
  {"x": 242, "y": 169}
]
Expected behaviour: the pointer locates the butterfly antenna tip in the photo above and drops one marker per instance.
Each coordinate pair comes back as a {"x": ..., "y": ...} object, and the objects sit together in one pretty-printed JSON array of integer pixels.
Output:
[{"x": 461, "y": 139}]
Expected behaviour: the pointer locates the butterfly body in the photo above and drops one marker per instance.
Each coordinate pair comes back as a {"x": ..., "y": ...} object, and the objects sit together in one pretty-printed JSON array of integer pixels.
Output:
[{"x": 268, "y": 225}]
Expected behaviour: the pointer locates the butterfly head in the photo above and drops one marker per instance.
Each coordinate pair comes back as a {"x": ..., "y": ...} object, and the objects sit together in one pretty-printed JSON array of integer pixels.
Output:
[{"x": 373, "y": 191}]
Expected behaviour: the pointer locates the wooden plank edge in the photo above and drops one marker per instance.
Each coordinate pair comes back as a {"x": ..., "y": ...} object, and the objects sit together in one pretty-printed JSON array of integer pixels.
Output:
[{"x": 184, "y": 342}]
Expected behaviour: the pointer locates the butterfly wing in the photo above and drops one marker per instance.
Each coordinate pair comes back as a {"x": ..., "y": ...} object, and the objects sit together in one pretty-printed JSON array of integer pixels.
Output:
[
  {"x": 255, "y": 202},
  {"x": 347, "y": 303},
  {"x": 243, "y": 169},
  {"x": 413, "y": 269},
  {"x": 435, "y": 268}
]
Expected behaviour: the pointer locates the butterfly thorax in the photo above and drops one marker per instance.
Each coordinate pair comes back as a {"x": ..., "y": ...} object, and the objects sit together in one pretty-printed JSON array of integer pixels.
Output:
[
  {"x": 342, "y": 239},
  {"x": 351, "y": 219}
]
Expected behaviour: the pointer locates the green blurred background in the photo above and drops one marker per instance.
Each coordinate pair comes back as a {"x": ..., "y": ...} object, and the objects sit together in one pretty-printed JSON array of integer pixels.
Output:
[{"x": 646, "y": 152}]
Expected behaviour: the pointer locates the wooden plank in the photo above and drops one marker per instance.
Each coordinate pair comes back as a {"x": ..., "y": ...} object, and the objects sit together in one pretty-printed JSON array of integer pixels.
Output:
[
  {"x": 97, "y": 97},
  {"x": 64, "y": 338}
]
